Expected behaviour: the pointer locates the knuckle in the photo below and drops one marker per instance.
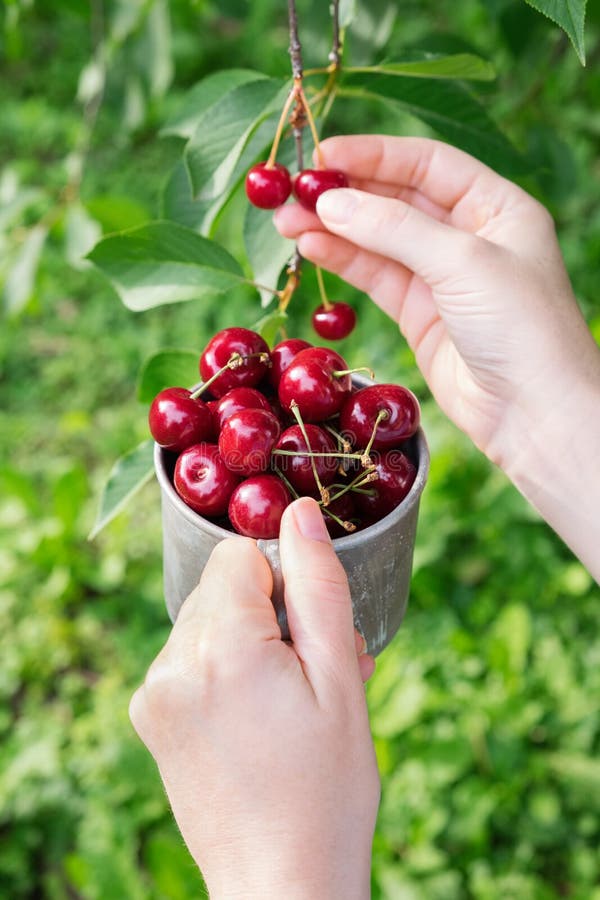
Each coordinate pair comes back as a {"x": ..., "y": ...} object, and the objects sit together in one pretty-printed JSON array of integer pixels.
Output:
[
  {"x": 137, "y": 710},
  {"x": 225, "y": 551},
  {"x": 396, "y": 217}
]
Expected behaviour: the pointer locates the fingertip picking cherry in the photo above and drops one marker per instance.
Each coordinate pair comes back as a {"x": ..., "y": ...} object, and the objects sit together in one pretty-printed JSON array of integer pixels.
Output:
[
  {"x": 268, "y": 186},
  {"x": 257, "y": 505},
  {"x": 309, "y": 184},
  {"x": 334, "y": 322}
]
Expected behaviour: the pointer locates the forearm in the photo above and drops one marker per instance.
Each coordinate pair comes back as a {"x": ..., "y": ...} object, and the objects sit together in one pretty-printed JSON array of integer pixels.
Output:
[{"x": 557, "y": 466}]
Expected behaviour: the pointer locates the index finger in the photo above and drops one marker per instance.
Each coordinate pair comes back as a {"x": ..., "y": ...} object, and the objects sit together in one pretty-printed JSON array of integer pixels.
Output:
[
  {"x": 440, "y": 172},
  {"x": 234, "y": 590}
]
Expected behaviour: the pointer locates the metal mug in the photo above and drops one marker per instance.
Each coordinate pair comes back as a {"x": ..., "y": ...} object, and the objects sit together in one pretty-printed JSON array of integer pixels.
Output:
[{"x": 377, "y": 560}]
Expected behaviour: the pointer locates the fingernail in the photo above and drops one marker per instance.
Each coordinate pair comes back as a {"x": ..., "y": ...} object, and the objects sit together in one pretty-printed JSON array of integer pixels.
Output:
[
  {"x": 309, "y": 520},
  {"x": 337, "y": 206},
  {"x": 362, "y": 641}
]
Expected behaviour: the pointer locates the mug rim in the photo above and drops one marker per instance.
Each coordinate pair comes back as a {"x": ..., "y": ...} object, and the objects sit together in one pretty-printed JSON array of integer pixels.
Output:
[{"x": 346, "y": 541}]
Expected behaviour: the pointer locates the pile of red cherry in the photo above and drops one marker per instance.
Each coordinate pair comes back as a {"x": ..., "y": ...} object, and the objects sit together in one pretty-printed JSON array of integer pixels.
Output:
[{"x": 267, "y": 426}]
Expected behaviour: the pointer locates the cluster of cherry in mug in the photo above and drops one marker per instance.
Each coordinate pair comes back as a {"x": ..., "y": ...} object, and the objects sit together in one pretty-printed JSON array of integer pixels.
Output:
[{"x": 266, "y": 426}]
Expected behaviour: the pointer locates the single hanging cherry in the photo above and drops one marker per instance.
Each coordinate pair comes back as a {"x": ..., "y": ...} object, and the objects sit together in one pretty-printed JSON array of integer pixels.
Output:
[{"x": 334, "y": 321}]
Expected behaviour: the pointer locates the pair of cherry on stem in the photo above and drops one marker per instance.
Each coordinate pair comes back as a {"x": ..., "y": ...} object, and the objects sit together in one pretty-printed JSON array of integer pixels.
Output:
[{"x": 285, "y": 423}]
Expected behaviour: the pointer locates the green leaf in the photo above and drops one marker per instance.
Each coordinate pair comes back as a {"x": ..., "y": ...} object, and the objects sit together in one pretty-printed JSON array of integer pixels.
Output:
[
  {"x": 224, "y": 131},
  {"x": 203, "y": 96},
  {"x": 447, "y": 107},
  {"x": 178, "y": 203},
  {"x": 157, "y": 52},
  {"x": 570, "y": 15},
  {"x": 268, "y": 252},
  {"x": 372, "y": 25},
  {"x": 128, "y": 475},
  {"x": 577, "y": 769},
  {"x": 81, "y": 233},
  {"x": 20, "y": 281},
  {"x": 116, "y": 212},
  {"x": 432, "y": 65},
  {"x": 269, "y": 325},
  {"x": 178, "y": 200},
  {"x": 162, "y": 262},
  {"x": 169, "y": 368},
  {"x": 14, "y": 200}
]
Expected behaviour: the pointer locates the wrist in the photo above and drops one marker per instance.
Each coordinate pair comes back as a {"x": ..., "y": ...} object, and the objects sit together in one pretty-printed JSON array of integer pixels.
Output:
[
  {"x": 552, "y": 451},
  {"x": 305, "y": 887},
  {"x": 313, "y": 877}
]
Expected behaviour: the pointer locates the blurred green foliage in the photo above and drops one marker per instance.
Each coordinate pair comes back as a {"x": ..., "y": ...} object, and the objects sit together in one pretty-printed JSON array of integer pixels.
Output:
[{"x": 485, "y": 709}]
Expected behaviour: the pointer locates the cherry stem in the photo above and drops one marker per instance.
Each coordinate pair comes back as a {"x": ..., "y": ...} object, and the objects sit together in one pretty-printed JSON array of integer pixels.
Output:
[
  {"x": 291, "y": 284},
  {"x": 366, "y": 369},
  {"x": 344, "y": 445},
  {"x": 336, "y": 50},
  {"x": 313, "y": 129},
  {"x": 296, "y": 413},
  {"x": 318, "y": 453},
  {"x": 234, "y": 362},
  {"x": 368, "y": 492},
  {"x": 293, "y": 95},
  {"x": 295, "y": 45},
  {"x": 347, "y": 526},
  {"x": 357, "y": 482},
  {"x": 381, "y": 415},
  {"x": 327, "y": 304},
  {"x": 289, "y": 486},
  {"x": 263, "y": 287}
]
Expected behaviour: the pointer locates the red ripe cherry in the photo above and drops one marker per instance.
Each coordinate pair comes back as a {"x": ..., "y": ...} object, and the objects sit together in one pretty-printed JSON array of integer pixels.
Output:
[
  {"x": 203, "y": 481},
  {"x": 395, "y": 476},
  {"x": 298, "y": 469},
  {"x": 246, "y": 441},
  {"x": 359, "y": 415},
  {"x": 282, "y": 355},
  {"x": 268, "y": 186},
  {"x": 176, "y": 421},
  {"x": 234, "y": 401},
  {"x": 334, "y": 322},
  {"x": 256, "y": 506},
  {"x": 219, "y": 351},
  {"x": 311, "y": 381},
  {"x": 311, "y": 183}
]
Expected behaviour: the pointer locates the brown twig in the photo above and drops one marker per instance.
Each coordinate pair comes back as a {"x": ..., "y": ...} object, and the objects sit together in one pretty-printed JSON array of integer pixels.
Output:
[{"x": 335, "y": 55}]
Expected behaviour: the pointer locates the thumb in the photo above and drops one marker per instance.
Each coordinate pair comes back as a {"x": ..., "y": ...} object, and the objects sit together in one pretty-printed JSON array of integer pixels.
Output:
[{"x": 317, "y": 596}]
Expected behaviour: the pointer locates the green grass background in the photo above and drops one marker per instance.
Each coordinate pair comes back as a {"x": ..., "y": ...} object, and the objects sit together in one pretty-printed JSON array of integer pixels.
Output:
[{"x": 485, "y": 709}]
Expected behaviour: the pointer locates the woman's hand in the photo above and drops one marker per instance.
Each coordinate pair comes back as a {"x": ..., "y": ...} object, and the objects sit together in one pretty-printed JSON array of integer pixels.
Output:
[
  {"x": 466, "y": 263},
  {"x": 469, "y": 266},
  {"x": 264, "y": 746}
]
